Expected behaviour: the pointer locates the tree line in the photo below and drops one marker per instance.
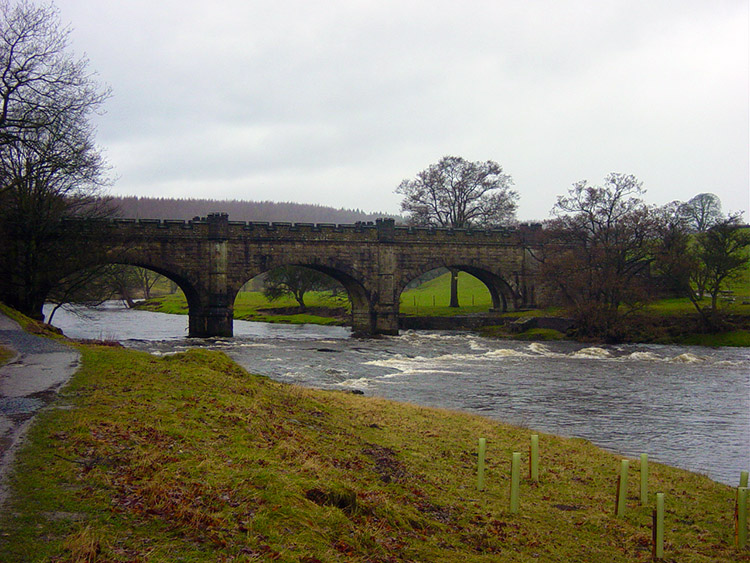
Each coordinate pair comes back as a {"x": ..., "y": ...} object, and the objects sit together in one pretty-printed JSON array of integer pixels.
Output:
[{"x": 239, "y": 210}]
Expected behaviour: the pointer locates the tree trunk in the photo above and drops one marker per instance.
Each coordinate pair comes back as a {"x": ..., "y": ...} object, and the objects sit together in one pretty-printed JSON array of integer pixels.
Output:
[
  {"x": 129, "y": 302},
  {"x": 300, "y": 297},
  {"x": 454, "y": 288}
]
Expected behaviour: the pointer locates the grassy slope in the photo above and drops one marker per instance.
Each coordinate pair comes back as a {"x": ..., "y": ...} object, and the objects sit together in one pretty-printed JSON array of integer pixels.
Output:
[
  {"x": 189, "y": 458},
  {"x": 30, "y": 325}
]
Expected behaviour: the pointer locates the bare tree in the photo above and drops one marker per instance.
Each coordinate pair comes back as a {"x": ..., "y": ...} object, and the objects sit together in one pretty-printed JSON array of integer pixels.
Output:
[
  {"x": 702, "y": 212},
  {"x": 90, "y": 287},
  {"x": 42, "y": 84},
  {"x": 460, "y": 194},
  {"x": 603, "y": 239},
  {"x": 675, "y": 262},
  {"x": 50, "y": 167}
]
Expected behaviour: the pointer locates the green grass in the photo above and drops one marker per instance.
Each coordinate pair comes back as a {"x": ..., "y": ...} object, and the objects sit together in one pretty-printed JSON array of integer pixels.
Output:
[
  {"x": 683, "y": 306},
  {"x": 534, "y": 334},
  {"x": 253, "y": 306},
  {"x": 6, "y": 354},
  {"x": 473, "y": 297},
  {"x": 736, "y": 338},
  {"x": 30, "y": 325},
  {"x": 189, "y": 458},
  {"x": 433, "y": 297}
]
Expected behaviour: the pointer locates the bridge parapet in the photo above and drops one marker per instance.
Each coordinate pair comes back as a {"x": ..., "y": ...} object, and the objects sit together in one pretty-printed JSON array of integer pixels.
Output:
[{"x": 383, "y": 231}]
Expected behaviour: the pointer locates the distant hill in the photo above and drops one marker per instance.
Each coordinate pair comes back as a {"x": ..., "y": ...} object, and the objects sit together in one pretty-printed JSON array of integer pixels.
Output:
[{"x": 270, "y": 211}]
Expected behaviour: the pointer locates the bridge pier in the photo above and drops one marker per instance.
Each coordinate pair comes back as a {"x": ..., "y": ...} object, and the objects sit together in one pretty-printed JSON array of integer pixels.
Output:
[
  {"x": 379, "y": 320},
  {"x": 362, "y": 322},
  {"x": 386, "y": 320},
  {"x": 212, "y": 321},
  {"x": 216, "y": 317}
]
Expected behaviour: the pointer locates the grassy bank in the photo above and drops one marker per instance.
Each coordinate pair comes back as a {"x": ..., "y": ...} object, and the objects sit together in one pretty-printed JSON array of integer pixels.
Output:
[
  {"x": 189, "y": 458},
  {"x": 30, "y": 325}
]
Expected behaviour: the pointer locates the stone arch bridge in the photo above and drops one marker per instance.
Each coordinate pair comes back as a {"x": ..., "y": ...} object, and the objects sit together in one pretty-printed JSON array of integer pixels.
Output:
[{"x": 211, "y": 259}]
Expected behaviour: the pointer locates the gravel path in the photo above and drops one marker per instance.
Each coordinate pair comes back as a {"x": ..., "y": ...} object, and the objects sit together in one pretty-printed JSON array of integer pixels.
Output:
[{"x": 27, "y": 383}]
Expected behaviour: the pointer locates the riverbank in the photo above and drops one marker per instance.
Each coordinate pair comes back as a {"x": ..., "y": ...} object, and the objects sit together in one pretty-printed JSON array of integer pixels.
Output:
[
  {"x": 668, "y": 322},
  {"x": 188, "y": 457},
  {"x": 684, "y": 329}
]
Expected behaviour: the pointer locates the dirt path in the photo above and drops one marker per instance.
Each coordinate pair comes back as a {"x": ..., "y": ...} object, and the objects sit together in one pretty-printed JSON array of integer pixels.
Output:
[{"x": 27, "y": 383}]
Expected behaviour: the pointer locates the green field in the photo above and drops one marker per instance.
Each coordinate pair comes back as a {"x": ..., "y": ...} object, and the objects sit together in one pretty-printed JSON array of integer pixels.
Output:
[
  {"x": 433, "y": 297},
  {"x": 430, "y": 299},
  {"x": 253, "y": 306},
  {"x": 189, "y": 458}
]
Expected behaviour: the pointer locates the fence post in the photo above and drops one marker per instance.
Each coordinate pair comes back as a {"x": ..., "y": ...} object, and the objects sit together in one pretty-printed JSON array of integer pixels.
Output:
[
  {"x": 622, "y": 488},
  {"x": 741, "y": 518},
  {"x": 480, "y": 464},
  {"x": 658, "y": 531},
  {"x": 515, "y": 479},
  {"x": 534, "y": 458}
]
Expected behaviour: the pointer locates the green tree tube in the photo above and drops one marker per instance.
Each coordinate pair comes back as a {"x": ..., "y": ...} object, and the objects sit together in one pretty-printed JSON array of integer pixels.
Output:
[
  {"x": 534, "y": 458},
  {"x": 659, "y": 534},
  {"x": 743, "y": 479},
  {"x": 480, "y": 465},
  {"x": 644, "y": 479},
  {"x": 742, "y": 517},
  {"x": 515, "y": 480},
  {"x": 622, "y": 488}
]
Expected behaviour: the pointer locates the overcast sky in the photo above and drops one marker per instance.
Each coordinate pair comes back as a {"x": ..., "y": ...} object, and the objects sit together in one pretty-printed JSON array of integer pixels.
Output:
[{"x": 335, "y": 103}]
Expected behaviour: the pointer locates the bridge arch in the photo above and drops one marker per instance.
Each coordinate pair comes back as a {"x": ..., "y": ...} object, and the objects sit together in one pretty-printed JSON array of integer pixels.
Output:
[
  {"x": 188, "y": 287},
  {"x": 501, "y": 292},
  {"x": 359, "y": 296},
  {"x": 192, "y": 295},
  {"x": 196, "y": 306}
]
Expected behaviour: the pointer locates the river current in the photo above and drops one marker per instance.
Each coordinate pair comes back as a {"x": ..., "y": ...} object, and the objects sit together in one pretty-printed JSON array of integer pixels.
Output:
[{"x": 684, "y": 406}]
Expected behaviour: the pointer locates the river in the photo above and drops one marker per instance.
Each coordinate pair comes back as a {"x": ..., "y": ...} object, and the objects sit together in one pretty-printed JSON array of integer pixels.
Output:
[{"x": 685, "y": 406}]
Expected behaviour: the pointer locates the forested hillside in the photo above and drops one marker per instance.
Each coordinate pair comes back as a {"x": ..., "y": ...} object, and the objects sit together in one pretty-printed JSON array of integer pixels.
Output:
[{"x": 165, "y": 208}]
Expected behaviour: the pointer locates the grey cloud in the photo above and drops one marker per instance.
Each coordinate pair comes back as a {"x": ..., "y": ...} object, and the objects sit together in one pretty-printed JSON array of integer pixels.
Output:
[{"x": 342, "y": 100}]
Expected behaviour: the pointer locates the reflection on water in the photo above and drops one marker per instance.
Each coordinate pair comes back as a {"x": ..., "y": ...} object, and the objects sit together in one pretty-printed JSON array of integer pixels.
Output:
[{"x": 685, "y": 406}]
